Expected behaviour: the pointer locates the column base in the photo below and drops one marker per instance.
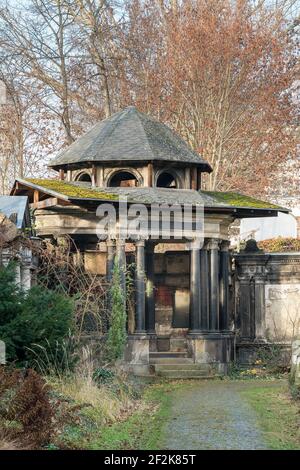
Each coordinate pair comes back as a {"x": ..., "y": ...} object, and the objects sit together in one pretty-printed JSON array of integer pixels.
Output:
[
  {"x": 212, "y": 347},
  {"x": 136, "y": 354}
]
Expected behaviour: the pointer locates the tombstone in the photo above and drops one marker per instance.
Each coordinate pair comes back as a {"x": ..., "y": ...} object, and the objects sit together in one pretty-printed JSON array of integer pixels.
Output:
[
  {"x": 295, "y": 369},
  {"x": 2, "y": 353}
]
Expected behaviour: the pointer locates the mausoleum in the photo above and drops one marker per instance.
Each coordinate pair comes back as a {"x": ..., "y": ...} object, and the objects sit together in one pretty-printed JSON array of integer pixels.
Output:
[{"x": 184, "y": 308}]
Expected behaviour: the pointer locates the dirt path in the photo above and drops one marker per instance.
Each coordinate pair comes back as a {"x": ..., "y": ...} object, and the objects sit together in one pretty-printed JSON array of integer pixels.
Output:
[{"x": 212, "y": 415}]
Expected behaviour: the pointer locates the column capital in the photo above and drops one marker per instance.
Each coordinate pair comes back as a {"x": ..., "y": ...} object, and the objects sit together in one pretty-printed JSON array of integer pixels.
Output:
[
  {"x": 224, "y": 245},
  {"x": 110, "y": 243},
  {"x": 213, "y": 244},
  {"x": 140, "y": 242}
]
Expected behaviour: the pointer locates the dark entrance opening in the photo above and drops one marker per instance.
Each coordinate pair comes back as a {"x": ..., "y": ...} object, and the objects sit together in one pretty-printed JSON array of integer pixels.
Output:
[
  {"x": 166, "y": 180},
  {"x": 123, "y": 179},
  {"x": 84, "y": 177}
]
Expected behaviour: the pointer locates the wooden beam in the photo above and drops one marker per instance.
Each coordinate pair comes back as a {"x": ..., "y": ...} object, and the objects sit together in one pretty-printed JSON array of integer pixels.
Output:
[
  {"x": 36, "y": 196},
  {"x": 94, "y": 175},
  {"x": 194, "y": 178},
  {"x": 61, "y": 174},
  {"x": 198, "y": 178},
  {"x": 50, "y": 202},
  {"x": 150, "y": 175}
]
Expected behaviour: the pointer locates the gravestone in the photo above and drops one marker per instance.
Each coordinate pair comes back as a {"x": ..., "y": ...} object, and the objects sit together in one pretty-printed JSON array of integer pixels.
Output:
[
  {"x": 295, "y": 369},
  {"x": 2, "y": 353}
]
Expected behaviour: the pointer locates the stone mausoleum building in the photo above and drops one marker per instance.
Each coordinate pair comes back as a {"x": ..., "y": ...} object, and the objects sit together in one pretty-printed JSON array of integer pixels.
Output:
[{"x": 185, "y": 307}]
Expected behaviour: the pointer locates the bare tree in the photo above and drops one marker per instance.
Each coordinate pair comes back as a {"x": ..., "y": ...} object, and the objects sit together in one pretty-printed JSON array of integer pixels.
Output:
[{"x": 39, "y": 37}]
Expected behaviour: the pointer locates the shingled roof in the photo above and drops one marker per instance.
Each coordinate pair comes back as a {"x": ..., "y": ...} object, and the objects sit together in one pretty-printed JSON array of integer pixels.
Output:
[{"x": 129, "y": 135}]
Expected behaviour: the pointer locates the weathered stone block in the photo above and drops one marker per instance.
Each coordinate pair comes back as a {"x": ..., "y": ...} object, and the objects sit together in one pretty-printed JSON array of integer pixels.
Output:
[
  {"x": 137, "y": 350},
  {"x": 211, "y": 349},
  {"x": 2, "y": 353},
  {"x": 95, "y": 262},
  {"x": 178, "y": 263}
]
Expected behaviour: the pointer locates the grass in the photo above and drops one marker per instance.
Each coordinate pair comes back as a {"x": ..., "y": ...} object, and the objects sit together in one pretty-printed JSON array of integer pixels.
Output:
[
  {"x": 144, "y": 428},
  {"x": 278, "y": 416}
]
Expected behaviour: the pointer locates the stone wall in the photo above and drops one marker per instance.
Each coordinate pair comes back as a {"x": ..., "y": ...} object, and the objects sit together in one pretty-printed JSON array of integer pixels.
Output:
[{"x": 267, "y": 300}]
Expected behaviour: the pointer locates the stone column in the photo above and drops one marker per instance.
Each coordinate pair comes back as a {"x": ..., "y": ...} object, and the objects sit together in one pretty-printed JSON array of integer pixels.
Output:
[
  {"x": 204, "y": 287},
  {"x": 224, "y": 285},
  {"x": 140, "y": 324},
  {"x": 110, "y": 259},
  {"x": 150, "y": 302},
  {"x": 214, "y": 285},
  {"x": 195, "y": 304},
  {"x": 259, "y": 305}
]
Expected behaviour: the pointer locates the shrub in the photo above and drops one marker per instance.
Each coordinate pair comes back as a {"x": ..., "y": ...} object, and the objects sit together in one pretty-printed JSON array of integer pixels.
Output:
[
  {"x": 25, "y": 411},
  {"x": 103, "y": 375},
  {"x": 31, "y": 407},
  {"x": 280, "y": 244},
  {"x": 41, "y": 316}
]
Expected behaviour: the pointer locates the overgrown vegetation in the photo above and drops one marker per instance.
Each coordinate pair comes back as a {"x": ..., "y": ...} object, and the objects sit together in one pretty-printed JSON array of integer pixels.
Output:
[
  {"x": 40, "y": 316},
  {"x": 280, "y": 245},
  {"x": 26, "y": 413},
  {"x": 117, "y": 331},
  {"x": 62, "y": 267}
]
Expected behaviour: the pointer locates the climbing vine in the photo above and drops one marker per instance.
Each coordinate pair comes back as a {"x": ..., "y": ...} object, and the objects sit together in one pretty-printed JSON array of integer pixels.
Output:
[{"x": 117, "y": 332}]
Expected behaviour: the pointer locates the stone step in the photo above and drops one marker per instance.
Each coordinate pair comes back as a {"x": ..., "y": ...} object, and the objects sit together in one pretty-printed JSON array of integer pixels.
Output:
[
  {"x": 205, "y": 368},
  {"x": 171, "y": 360},
  {"x": 184, "y": 374},
  {"x": 172, "y": 354}
]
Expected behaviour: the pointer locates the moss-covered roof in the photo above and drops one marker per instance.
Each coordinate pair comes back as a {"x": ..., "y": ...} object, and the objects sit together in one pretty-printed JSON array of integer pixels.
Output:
[
  {"x": 210, "y": 199},
  {"x": 240, "y": 200},
  {"x": 70, "y": 190}
]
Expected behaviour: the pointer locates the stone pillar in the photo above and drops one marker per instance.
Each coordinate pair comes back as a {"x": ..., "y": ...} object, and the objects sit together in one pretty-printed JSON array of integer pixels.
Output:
[
  {"x": 204, "y": 288},
  {"x": 224, "y": 285},
  {"x": 214, "y": 285},
  {"x": 195, "y": 304},
  {"x": 150, "y": 301},
  {"x": 110, "y": 259},
  {"x": 259, "y": 306},
  {"x": 140, "y": 324}
]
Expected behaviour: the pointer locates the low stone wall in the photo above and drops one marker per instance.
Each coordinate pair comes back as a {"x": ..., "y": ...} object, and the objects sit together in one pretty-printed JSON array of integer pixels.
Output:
[{"x": 267, "y": 300}]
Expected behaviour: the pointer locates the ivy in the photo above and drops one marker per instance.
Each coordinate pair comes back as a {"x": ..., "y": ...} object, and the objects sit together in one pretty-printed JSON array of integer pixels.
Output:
[{"x": 117, "y": 332}]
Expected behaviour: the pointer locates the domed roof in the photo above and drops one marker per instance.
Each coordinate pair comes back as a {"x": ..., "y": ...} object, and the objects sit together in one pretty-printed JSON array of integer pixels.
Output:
[{"x": 129, "y": 135}]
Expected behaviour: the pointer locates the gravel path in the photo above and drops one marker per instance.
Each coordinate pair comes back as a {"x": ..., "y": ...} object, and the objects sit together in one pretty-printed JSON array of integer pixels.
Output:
[{"x": 212, "y": 415}]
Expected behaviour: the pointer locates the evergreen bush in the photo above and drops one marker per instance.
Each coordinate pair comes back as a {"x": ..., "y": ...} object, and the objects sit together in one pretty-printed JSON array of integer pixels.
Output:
[{"x": 39, "y": 316}]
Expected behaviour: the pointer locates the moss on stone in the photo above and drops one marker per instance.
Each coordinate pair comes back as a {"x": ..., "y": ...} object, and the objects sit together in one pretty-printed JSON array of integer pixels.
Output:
[
  {"x": 240, "y": 200},
  {"x": 71, "y": 190}
]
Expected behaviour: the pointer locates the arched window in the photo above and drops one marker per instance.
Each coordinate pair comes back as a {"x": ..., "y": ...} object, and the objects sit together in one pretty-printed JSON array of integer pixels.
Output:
[
  {"x": 84, "y": 177},
  {"x": 166, "y": 180},
  {"x": 123, "y": 179}
]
